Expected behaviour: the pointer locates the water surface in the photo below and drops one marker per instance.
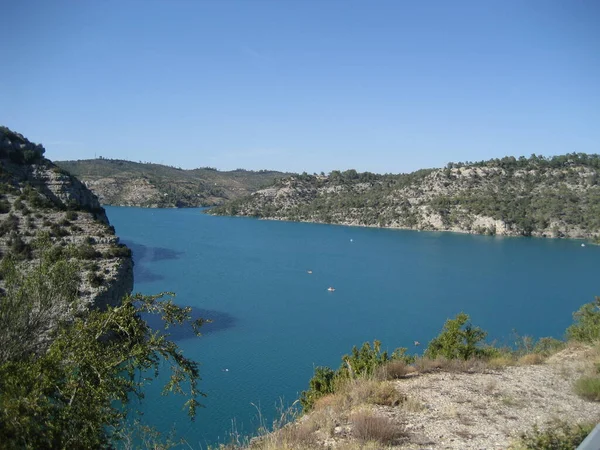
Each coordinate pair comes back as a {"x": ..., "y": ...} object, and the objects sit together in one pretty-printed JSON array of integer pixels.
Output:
[{"x": 273, "y": 322}]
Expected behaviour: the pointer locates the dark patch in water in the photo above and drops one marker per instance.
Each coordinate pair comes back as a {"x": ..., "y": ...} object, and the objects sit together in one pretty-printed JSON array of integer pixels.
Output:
[
  {"x": 220, "y": 321},
  {"x": 143, "y": 254}
]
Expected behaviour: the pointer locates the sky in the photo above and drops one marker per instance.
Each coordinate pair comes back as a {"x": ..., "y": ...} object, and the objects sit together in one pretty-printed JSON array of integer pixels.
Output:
[{"x": 385, "y": 86}]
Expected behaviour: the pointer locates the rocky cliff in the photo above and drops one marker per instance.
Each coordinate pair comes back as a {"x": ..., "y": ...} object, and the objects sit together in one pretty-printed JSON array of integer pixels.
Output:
[
  {"x": 43, "y": 207},
  {"x": 537, "y": 196}
]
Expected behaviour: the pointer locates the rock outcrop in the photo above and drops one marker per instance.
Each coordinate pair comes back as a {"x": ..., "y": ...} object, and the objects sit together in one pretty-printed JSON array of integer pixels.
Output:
[{"x": 38, "y": 200}]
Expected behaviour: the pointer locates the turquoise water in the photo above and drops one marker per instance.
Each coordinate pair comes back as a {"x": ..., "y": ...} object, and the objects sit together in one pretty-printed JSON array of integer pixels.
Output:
[{"x": 274, "y": 322}]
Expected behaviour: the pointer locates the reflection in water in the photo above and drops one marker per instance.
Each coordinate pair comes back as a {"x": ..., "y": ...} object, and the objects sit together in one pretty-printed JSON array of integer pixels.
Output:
[
  {"x": 144, "y": 254},
  {"x": 220, "y": 321}
]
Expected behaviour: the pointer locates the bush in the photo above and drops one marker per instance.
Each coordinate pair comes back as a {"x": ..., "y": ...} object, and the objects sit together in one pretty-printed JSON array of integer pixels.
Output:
[
  {"x": 366, "y": 426},
  {"x": 360, "y": 363},
  {"x": 459, "y": 340},
  {"x": 11, "y": 223},
  {"x": 321, "y": 384},
  {"x": 120, "y": 251},
  {"x": 71, "y": 215},
  {"x": 4, "y": 206},
  {"x": 561, "y": 436},
  {"x": 95, "y": 279},
  {"x": 588, "y": 388},
  {"x": 57, "y": 231},
  {"x": 587, "y": 323},
  {"x": 85, "y": 251}
]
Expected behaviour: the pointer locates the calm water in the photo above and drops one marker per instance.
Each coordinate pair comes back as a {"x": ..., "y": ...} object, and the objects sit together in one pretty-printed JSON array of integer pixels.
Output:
[{"x": 274, "y": 322}]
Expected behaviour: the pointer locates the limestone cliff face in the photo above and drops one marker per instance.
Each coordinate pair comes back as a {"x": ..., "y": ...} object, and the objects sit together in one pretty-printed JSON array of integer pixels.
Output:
[
  {"x": 39, "y": 200},
  {"x": 546, "y": 197}
]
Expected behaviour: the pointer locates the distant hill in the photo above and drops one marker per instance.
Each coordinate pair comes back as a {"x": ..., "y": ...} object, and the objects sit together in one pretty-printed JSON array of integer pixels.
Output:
[
  {"x": 126, "y": 183},
  {"x": 536, "y": 196}
]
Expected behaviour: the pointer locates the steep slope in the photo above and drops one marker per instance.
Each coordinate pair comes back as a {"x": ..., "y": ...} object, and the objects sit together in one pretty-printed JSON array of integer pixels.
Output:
[
  {"x": 42, "y": 207},
  {"x": 536, "y": 196},
  {"x": 127, "y": 183}
]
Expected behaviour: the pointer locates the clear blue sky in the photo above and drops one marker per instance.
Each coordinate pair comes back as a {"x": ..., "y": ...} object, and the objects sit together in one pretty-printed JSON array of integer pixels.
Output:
[{"x": 301, "y": 85}]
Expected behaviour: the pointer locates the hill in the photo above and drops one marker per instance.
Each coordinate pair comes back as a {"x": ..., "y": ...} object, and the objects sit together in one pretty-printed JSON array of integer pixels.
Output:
[
  {"x": 536, "y": 196},
  {"x": 126, "y": 183},
  {"x": 45, "y": 209}
]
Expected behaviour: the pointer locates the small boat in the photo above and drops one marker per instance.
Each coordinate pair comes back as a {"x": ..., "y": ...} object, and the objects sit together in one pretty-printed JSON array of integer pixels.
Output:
[
  {"x": 417, "y": 343},
  {"x": 309, "y": 272},
  {"x": 330, "y": 289},
  {"x": 583, "y": 245}
]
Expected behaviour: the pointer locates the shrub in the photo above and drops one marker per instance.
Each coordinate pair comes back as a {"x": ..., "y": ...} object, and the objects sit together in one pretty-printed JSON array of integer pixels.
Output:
[
  {"x": 71, "y": 215},
  {"x": 11, "y": 223},
  {"x": 587, "y": 323},
  {"x": 459, "y": 340},
  {"x": 561, "y": 436},
  {"x": 85, "y": 251},
  {"x": 360, "y": 363},
  {"x": 4, "y": 206},
  {"x": 588, "y": 388},
  {"x": 531, "y": 359},
  {"x": 393, "y": 370},
  {"x": 386, "y": 394},
  {"x": 95, "y": 279},
  {"x": 120, "y": 251},
  {"x": 366, "y": 426},
  {"x": 18, "y": 248},
  {"x": 321, "y": 384},
  {"x": 57, "y": 231}
]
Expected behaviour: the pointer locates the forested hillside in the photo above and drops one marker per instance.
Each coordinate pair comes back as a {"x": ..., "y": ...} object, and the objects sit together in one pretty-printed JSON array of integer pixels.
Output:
[
  {"x": 126, "y": 183},
  {"x": 535, "y": 196}
]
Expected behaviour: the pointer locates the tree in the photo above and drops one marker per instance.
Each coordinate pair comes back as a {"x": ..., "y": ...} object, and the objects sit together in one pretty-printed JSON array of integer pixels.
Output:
[
  {"x": 587, "y": 323},
  {"x": 459, "y": 339},
  {"x": 73, "y": 390}
]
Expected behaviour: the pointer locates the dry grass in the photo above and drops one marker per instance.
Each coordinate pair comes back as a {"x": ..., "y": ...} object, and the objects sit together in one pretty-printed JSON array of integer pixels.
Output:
[
  {"x": 531, "y": 359},
  {"x": 427, "y": 365},
  {"x": 394, "y": 370},
  {"x": 500, "y": 362},
  {"x": 367, "y": 426}
]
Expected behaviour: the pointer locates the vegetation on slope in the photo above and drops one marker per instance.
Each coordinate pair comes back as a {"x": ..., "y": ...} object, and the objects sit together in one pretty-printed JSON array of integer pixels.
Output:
[
  {"x": 43, "y": 207},
  {"x": 127, "y": 183},
  {"x": 76, "y": 392},
  {"x": 556, "y": 197},
  {"x": 364, "y": 404}
]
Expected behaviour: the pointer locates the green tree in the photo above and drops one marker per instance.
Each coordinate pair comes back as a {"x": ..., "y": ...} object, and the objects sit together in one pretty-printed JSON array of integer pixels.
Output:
[
  {"x": 587, "y": 323},
  {"x": 459, "y": 339},
  {"x": 73, "y": 390}
]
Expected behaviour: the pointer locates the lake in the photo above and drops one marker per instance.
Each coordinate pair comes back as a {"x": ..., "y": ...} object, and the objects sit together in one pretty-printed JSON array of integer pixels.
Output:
[{"x": 273, "y": 322}]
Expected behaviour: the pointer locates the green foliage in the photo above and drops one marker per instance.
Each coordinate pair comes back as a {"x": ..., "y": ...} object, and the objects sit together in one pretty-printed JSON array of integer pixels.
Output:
[
  {"x": 95, "y": 279},
  {"x": 71, "y": 215},
  {"x": 4, "y": 206},
  {"x": 84, "y": 251},
  {"x": 11, "y": 223},
  {"x": 561, "y": 436},
  {"x": 322, "y": 383},
  {"x": 67, "y": 383},
  {"x": 587, "y": 323},
  {"x": 120, "y": 251},
  {"x": 459, "y": 339},
  {"x": 18, "y": 248},
  {"x": 360, "y": 363},
  {"x": 588, "y": 388}
]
